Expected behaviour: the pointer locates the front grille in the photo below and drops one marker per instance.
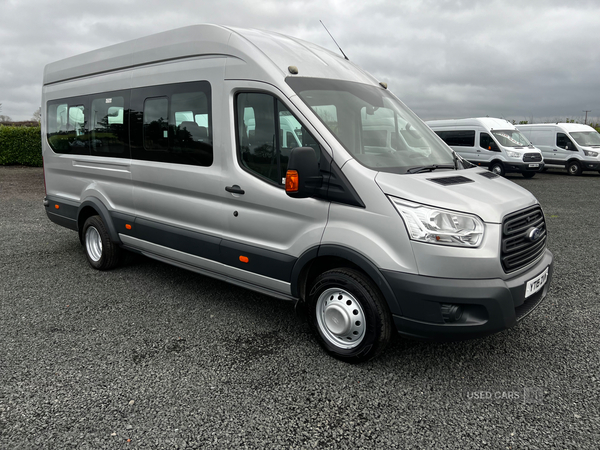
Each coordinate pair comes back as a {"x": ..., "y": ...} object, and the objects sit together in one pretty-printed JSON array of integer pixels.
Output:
[
  {"x": 518, "y": 250},
  {"x": 532, "y": 157}
]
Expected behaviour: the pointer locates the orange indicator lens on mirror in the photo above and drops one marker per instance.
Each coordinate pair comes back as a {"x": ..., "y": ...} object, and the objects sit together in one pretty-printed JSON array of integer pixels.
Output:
[
  {"x": 244, "y": 259},
  {"x": 128, "y": 226},
  {"x": 291, "y": 181},
  {"x": 56, "y": 206}
]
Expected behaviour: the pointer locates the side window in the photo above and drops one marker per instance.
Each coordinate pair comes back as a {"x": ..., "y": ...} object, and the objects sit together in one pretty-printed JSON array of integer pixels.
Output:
[
  {"x": 67, "y": 129},
  {"x": 109, "y": 134},
  {"x": 563, "y": 141},
  {"x": 172, "y": 123},
  {"x": 267, "y": 132},
  {"x": 192, "y": 139},
  {"x": 458, "y": 138},
  {"x": 156, "y": 125},
  {"x": 486, "y": 141}
]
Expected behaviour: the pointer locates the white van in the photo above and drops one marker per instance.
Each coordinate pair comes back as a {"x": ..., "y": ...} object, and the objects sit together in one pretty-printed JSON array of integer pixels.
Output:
[
  {"x": 492, "y": 143},
  {"x": 573, "y": 146},
  {"x": 176, "y": 146}
]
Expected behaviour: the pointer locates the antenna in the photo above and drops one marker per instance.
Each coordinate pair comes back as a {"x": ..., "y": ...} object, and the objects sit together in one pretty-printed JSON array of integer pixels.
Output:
[{"x": 338, "y": 46}]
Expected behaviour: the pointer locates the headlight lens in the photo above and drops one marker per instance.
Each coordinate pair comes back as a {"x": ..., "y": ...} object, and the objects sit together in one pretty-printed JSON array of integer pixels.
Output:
[
  {"x": 513, "y": 154},
  {"x": 590, "y": 153},
  {"x": 438, "y": 226}
]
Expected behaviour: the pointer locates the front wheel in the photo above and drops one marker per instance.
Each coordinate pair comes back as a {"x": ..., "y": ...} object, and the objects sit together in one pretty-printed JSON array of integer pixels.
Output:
[
  {"x": 497, "y": 168},
  {"x": 101, "y": 252},
  {"x": 574, "y": 168},
  {"x": 350, "y": 319},
  {"x": 528, "y": 174}
]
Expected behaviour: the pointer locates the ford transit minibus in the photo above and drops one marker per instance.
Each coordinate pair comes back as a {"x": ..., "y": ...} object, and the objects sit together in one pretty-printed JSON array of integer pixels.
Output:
[
  {"x": 276, "y": 165},
  {"x": 572, "y": 146},
  {"x": 492, "y": 143}
]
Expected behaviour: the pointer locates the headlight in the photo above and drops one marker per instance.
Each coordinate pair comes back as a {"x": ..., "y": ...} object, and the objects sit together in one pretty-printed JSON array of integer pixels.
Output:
[
  {"x": 590, "y": 153},
  {"x": 513, "y": 154},
  {"x": 438, "y": 226}
]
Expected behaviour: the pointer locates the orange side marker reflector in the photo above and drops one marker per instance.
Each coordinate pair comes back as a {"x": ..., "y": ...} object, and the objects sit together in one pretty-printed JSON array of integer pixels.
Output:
[
  {"x": 56, "y": 206},
  {"x": 292, "y": 181},
  {"x": 128, "y": 226},
  {"x": 244, "y": 259}
]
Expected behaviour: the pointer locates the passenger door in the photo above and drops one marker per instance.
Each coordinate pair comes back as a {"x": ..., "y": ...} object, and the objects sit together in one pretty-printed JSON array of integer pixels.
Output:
[
  {"x": 266, "y": 230},
  {"x": 565, "y": 148},
  {"x": 488, "y": 149}
]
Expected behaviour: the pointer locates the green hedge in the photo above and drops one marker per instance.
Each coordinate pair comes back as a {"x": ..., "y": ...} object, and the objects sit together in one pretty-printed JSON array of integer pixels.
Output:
[{"x": 20, "y": 145}]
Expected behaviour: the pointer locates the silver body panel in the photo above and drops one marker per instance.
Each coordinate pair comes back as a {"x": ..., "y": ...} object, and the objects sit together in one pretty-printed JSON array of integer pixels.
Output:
[{"x": 194, "y": 198}]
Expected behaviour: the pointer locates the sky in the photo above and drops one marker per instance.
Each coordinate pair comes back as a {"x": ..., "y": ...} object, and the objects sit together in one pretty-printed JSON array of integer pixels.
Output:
[{"x": 519, "y": 60}]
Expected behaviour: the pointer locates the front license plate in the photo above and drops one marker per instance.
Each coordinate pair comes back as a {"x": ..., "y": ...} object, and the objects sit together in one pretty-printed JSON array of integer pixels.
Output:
[
  {"x": 536, "y": 284},
  {"x": 534, "y": 165}
]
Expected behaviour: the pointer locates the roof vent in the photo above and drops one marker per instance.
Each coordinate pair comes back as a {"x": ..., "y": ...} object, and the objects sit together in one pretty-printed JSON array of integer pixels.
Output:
[
  {"x": 449, "y": 181},
  {"x": 293, "y": 70},
  {"x": 383, "y": 84},
  {"x": 489, "y": 174}
]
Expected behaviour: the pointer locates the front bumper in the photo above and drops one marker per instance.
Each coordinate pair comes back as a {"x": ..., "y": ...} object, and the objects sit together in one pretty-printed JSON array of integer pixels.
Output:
[
  {"x": 590, "y": 165},
  {"x": 488, "y": 306},
  {"x": 521, "y": 167}
]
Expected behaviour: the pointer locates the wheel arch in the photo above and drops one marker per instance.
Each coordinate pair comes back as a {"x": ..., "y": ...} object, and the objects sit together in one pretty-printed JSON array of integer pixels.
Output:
[
  {"x": 92, "y": 206},
  {"x": 326, "y": 257}
]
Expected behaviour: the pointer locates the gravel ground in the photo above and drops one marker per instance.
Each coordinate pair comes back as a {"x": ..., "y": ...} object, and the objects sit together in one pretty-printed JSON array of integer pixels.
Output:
[{"x": 151, "y": 356}]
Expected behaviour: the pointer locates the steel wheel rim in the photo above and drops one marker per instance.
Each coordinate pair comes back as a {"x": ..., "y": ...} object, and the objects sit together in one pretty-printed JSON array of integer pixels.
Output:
[
  {"x": 497, "y": 170},
  {"x": 341, "y": 318},
  {"x": 573, "y": 168},
  {"x": 93, "y": 244}
]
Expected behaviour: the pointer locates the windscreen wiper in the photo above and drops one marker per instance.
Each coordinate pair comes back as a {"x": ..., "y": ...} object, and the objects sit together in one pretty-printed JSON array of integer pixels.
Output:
[{"x": 431, "y": 168}]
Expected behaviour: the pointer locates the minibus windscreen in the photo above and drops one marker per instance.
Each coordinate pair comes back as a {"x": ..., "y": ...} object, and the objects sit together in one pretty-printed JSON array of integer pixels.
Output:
[
  {"x": 511, "y": 138},
  {"x": 376, "y": 128},
  {"x": 587, "y": 138}
]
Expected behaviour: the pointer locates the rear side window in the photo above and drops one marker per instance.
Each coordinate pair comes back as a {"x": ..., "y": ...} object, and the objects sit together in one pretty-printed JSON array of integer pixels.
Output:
[
  {"x": 67, "y": 126},
  {"x": 458, "y": 138},
  {"x": 267, "y": 132},
  {"x": 173, "y": 124}
]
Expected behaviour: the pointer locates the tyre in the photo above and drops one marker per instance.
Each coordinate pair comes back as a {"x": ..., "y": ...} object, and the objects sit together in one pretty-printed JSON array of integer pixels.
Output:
[
  {"x": 101, "y": 252},
  {"x": 497, "y": 168},
  {"x": 528, "y": 174},
  {"x": 348, "y": 315},
  {"x": 573, "y": 168}
]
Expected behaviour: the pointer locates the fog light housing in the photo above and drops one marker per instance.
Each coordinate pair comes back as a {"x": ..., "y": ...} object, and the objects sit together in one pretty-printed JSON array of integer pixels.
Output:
[{"x": 451, "y": 313}]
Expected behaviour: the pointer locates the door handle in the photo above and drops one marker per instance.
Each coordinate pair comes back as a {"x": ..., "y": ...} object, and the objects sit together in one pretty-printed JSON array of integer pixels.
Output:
[{"x": 235, "y": 189}]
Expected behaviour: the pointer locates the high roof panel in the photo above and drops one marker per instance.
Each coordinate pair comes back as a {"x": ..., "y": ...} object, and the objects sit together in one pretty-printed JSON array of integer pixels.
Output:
[{"x": 266, "y": 55}]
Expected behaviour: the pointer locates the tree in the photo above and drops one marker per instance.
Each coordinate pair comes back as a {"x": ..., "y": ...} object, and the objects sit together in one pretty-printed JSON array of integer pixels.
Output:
[
  {"x": 37, "y": 115},
  {"x": 5, "y": 119}
]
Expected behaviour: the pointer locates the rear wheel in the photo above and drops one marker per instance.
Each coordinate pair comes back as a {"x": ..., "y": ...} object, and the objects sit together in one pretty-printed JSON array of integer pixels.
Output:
[
  {"x": 350, "y": 319},
  {"x": 497, "y": 168},
  {"x": 528, "y": 174},
  {"x": 101, "y": 252},
  {"x": 574, "y": 168}
]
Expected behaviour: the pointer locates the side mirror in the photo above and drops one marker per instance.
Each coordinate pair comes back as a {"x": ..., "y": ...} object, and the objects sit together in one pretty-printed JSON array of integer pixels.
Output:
[{"x": 303, "y": 178}]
